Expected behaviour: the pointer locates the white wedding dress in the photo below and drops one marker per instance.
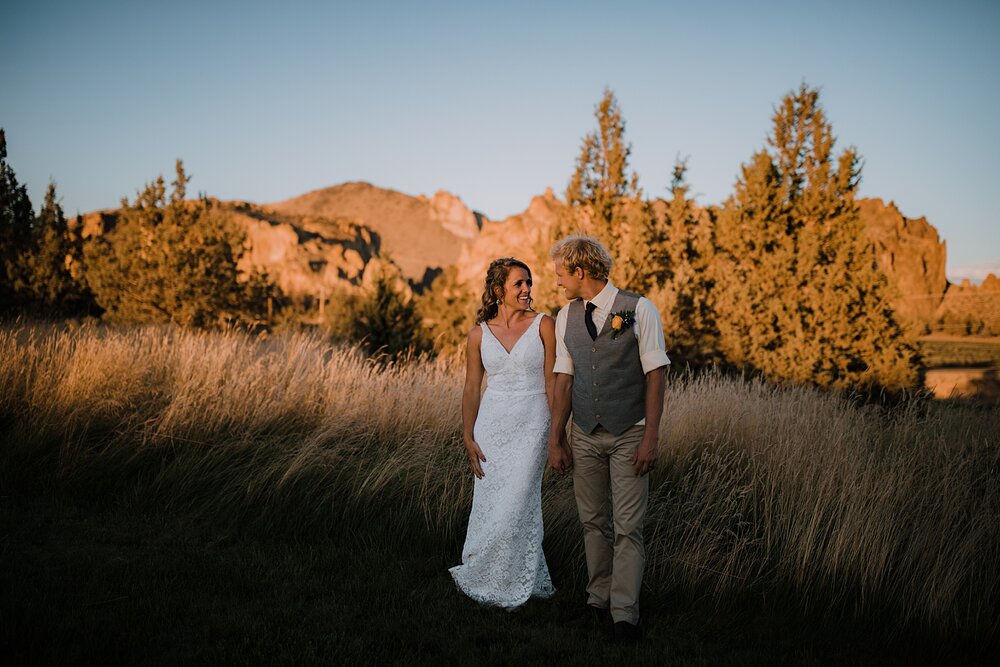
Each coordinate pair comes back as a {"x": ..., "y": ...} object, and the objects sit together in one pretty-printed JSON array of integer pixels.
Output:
[{"x": 502, "y": 560}]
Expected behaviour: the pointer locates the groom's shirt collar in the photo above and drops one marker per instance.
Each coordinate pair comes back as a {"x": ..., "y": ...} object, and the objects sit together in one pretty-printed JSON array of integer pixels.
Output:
[{"x": 603, "y": 302}]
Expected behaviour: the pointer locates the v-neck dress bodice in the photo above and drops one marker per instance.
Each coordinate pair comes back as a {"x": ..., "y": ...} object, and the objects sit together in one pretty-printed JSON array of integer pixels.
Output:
[
  {"x": 520, "y": 371},
  {"x": 502, "y": 559}
]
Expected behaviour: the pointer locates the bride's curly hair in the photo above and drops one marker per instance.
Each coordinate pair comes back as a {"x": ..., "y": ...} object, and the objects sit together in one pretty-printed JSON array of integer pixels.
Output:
[{"x": 493, "y": 287}]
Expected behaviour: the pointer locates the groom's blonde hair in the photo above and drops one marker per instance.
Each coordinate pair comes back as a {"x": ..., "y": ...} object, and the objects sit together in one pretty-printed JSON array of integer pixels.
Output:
[{"x": 584, "y": 252}]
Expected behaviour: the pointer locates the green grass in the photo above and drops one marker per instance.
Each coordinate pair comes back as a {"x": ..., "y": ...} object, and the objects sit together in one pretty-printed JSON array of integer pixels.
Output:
[{"x": 171, "y": 497}]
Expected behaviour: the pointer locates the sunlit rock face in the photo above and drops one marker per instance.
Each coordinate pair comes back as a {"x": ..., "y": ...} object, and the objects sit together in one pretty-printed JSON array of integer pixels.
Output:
[
  {"x": 971, "y": 309},
  {"x": 910, "y": 253},
  {"x": 305, "y": 256},
  {"x": 421, "y": 235},
  {"x": 519, "y": 236},
  {"x": 451, "y": 214}
]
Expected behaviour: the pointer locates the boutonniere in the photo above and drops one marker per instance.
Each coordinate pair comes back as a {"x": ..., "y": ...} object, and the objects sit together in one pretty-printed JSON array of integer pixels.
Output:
[{"x": 620, "y": 321}]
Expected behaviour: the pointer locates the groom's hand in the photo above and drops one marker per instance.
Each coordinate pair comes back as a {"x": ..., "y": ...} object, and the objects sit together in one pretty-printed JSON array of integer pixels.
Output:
[
  {"x": 560, "y": 457},
  {"x": 644, "y": 459}
]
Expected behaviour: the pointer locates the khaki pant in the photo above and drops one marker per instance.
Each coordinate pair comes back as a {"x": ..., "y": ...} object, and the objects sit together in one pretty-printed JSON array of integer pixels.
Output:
[{"x": 611, "y": 502}]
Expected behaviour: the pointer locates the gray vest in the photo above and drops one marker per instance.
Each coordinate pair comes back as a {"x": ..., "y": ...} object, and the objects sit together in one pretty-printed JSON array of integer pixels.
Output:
[{"x": 609, "y": 387}]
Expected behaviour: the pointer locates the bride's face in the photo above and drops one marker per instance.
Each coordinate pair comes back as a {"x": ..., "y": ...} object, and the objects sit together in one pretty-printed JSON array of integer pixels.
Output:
[{"x": 517, "y": 289}]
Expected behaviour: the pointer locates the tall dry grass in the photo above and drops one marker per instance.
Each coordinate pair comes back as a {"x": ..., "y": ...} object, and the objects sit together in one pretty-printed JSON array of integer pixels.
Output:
[{"x": 763, "y": 492}]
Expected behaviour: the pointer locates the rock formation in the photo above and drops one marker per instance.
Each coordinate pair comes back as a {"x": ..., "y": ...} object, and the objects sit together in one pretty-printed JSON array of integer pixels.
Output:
[
  {"x": 511, "y": 237},
  {"x": 910, "y": 253},
  {"x": 420, "y": 235},
  {"x": 969, "y": 309},
  {"x": 306, "y": 256}
]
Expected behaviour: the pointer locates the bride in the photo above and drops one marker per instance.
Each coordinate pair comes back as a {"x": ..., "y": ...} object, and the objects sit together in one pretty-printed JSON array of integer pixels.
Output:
[{"x": 506, "y": 437}]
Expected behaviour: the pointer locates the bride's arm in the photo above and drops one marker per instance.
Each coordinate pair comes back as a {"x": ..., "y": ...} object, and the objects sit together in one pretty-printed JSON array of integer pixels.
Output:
[
  {"x": 471, "y": 395},
  {"x": 547, "y": 330}
]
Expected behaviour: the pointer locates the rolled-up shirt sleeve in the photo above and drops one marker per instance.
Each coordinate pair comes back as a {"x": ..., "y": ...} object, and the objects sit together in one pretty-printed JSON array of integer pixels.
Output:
[
  {"x": 564, "y": 362},
  {"x": 649, "y": 333}
]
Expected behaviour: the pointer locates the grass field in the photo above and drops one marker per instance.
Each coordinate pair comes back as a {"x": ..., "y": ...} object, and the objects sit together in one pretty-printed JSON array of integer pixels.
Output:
[{"x": 171, "y": 496}]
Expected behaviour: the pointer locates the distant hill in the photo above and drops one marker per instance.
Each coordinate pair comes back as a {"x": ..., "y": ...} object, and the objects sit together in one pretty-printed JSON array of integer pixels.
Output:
[{"x": 419, "y": 234}]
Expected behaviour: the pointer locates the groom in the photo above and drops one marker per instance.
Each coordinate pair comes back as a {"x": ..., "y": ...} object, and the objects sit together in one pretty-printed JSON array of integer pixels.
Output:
[{"x": 610, "y": 363}]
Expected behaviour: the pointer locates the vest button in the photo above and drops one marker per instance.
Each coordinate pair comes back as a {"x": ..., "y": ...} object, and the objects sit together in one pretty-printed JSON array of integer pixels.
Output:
[
  {"x": 598, "y": 416},
  {"x": 593, "y": 349}
]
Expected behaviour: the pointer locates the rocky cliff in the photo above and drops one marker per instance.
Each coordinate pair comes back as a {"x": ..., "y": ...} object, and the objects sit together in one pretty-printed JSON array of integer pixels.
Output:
[
  {"x": 969, "y": 309},
  {"x": 421, "y": 235},
  {"x": 306, "y": 256},
  {"x": 910, "y": 253}
]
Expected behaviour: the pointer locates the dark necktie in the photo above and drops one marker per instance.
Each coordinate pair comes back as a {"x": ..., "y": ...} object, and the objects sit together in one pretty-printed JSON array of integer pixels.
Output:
[{"x": 588, "y": 319}]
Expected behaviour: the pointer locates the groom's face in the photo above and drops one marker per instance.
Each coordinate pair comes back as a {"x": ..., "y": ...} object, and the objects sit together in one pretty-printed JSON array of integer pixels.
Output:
[{"x": 570, "y": 281}]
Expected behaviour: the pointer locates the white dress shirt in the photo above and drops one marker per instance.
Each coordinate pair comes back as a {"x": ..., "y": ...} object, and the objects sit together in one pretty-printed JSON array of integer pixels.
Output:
[{"x": 647, "y": 329}]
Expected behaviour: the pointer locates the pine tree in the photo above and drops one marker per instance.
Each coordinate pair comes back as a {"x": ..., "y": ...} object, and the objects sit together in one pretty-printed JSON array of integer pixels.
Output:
[
  {"x": 382, "y": 316},
  {"x": 171, "y": 261},
  {"x": 684, "y": 295},
  {"x": 447, "y": 310},
  {"x": 800, "y": 296},
  {"x": 53, "y": 285},
  {"x": 605, "y": 201},
  {"x": 16, "y": 221}
]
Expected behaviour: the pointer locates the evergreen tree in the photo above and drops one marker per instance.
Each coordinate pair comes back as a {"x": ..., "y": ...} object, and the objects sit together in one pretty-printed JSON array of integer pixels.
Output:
[
  {"x": 605, "y": 201},
  {"x": 381, "y": 316},
  {"x": 171, "y": 261},
  {"x": 16, "y": 220},
  {"x": 800, "y": 296},
  {"x": 684, "y": 295},
  {"x": 447, "y": 310},
  {"x": 53, "y": 285}
]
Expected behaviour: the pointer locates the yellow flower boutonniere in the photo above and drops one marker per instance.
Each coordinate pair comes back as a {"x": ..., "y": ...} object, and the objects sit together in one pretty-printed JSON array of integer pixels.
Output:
[{"x": 621, "y": 321}]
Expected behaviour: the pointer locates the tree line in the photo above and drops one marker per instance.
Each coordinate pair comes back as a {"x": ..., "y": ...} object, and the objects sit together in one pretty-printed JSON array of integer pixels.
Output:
[
  {"x": 779, "y": 278},
  {"x": 38, "y": 253},
  {"x": 161, "y": 258}
]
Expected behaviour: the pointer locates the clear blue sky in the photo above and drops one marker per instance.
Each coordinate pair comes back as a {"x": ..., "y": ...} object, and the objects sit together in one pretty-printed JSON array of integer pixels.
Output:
[{"x": 489, "y": 100}]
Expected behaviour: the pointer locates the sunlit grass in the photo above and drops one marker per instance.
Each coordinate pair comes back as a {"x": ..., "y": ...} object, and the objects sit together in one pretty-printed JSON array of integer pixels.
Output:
[{"x": 764, "y": 493}]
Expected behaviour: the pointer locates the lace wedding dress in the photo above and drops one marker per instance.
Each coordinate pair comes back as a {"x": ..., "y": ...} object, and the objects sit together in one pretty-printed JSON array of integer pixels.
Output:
[{"x": 502, "y": 560}]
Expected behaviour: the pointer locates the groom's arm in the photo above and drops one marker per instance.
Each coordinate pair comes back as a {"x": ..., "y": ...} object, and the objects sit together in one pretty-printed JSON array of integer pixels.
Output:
[
  {"x": 645, "y": 456},
  {"x": 560, "y": 457},
  {"x": 654, "y": 359}
]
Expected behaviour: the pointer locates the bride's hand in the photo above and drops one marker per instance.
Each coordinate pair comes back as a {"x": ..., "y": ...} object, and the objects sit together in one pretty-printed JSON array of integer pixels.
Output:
[
  {"x": 560, "y": 456},
  {"x": 475, "y": 456}
]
